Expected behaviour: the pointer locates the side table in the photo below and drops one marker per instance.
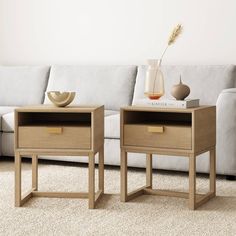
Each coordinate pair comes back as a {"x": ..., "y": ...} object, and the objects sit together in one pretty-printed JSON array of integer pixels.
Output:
[
  {"x": 179, "y": 132},
  {"x": 49, "y": 130}
]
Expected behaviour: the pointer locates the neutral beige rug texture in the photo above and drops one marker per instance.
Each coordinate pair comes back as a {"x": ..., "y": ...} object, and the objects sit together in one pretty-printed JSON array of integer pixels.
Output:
[{"x": 146, "y": 215}]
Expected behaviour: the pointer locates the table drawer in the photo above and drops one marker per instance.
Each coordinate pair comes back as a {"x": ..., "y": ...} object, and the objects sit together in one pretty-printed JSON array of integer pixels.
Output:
[
  {"x": 158, "y": 136},
  {"x": 54, "y": 137}
]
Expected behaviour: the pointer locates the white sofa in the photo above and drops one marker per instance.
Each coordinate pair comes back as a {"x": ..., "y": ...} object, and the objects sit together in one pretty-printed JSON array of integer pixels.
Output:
[{"x": 117, "y": 86}]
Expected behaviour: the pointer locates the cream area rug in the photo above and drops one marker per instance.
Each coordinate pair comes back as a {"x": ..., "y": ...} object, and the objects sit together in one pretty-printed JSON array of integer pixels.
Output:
[{"x": 145, "y": 215}]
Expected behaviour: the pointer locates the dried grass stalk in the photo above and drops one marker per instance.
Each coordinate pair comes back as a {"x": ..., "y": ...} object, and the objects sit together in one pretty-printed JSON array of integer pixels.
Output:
[{"x": 174, "y": 35}]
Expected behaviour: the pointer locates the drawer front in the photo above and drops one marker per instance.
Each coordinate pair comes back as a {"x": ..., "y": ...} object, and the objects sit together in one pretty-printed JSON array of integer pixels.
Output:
[
  {"x": 54, "y": 137},
  {"x": 163, "y": 136}
]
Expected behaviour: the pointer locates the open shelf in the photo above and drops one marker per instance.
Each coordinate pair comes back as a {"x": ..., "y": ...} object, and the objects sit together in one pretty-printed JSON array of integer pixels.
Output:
[
  {"x": 53, "y": 119},
  {"x": 157, "y": 118}
]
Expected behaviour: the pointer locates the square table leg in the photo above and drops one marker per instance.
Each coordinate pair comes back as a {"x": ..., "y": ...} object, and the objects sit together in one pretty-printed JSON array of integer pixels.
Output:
[
  {"x": 123, "y": 183},
  {"x": 91, "y": 182},
  {"x": 213, "y": 171},
  {"x": 192, "y": 182},
  {"x": 149, "y": 170},
  {"x": 101, "y": 170},
  {"x": 34, "y": 172},
  {"x": 17, "y": 179}
]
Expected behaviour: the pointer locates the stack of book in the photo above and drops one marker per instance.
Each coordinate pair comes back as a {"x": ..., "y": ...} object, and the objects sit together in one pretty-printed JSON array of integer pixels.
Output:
[{"x": 168, "y": 103}]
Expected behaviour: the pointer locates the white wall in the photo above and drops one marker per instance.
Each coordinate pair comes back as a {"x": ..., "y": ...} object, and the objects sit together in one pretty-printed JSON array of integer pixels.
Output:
[{"x": 116, "y": 31}]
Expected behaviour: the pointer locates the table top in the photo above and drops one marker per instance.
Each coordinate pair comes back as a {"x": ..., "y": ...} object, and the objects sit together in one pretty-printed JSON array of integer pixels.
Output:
[
  {"x": 157, "y": 109},
  {"x": 52, "y": 108}
]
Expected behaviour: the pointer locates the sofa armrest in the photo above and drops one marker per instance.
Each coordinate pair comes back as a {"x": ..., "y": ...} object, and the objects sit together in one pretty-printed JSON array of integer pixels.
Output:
[
  {"x": 230, "y": 90},
  {"x": 226, "y": 132}
]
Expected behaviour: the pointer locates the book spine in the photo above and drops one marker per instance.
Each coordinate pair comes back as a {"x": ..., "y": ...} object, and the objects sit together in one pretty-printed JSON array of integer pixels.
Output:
[
  {"x": 168, "y": 105},
  {"x": 178, "y": 104}
]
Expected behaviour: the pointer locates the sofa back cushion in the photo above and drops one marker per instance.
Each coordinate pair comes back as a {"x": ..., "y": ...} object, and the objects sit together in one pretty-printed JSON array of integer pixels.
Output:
[
  {"x": 22, "y": 85},
  {"x": 111, "y": 86},
  {"x": 205, "y": 82}
]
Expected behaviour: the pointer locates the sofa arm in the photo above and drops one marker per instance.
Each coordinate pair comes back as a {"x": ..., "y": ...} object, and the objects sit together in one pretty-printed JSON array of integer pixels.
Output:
[
  {"x": 226, "y": 132},
  {"x": 230, "y": 90}
]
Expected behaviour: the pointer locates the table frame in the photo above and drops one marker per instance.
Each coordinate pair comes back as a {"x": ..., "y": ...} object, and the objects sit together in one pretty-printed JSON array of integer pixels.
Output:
[
  {"x": 195, "y": 199},
  {"x": 91, "y": 195}
]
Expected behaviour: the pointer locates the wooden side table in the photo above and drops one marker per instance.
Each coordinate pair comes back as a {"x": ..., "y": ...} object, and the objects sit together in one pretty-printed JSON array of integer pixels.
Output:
[
  {"x": 48, "y": 130},
  {"x": 180, "y": 132}
]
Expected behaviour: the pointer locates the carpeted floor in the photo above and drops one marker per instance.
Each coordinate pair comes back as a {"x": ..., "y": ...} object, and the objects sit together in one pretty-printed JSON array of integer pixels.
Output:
[{"x": 146, "y": 215}]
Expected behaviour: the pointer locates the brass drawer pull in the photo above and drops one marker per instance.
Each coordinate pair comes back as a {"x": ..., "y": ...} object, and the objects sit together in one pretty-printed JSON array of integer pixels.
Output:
[
  {"x": 155, "y": 129},
  {"x": 54, "y": 130}
]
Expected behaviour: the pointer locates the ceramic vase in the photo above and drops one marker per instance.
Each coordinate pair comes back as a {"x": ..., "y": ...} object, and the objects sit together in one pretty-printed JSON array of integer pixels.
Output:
[
  {"x": 180, "y": 91},
  {"x": 154, "y": 83}
]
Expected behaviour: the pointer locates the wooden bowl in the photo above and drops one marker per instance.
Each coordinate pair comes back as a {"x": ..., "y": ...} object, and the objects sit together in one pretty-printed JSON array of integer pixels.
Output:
[{"x": 61, "y": 99}]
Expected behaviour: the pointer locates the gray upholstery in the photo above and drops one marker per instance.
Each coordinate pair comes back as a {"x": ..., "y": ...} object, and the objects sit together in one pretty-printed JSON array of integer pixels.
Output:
[
  {"x": 205, "y": 82},
  {"x": 108, "y": 85},
  {"x": 0, "y": 143},
  {"x": 22, "y": 85},
  {"x": 7, "y": 144},
  {"x": 5, "y": 110},
  {"x": 115, "y": 86},
  {"x": 8, "y": 122},
  {"x": 112, "y": 124},
  {"x": 110, "y": 112},
  {"x": 226, "y": 132}
]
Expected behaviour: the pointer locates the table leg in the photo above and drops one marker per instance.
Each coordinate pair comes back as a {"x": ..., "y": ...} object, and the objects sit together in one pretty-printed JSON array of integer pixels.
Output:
[
  {"x": 213, "y": 171},
  {"x": 149, "y": 170},
  {"x": 91, "y": 181},
  {"x": 123, "y": 183},
  {"x": 35, "y": 172},
  {"x": 17, "y": 179},
  {"x": 101, "y": 170},
  {"x": 192, "y": 181}
]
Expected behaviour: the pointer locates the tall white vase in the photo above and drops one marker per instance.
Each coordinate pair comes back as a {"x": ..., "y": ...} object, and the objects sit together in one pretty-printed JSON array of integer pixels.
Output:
[{"x": 154, "y": 83}]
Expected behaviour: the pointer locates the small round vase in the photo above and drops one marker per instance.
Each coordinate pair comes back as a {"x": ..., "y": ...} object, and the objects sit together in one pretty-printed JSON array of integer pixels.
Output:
[
  {"x": 154, "y": 83},
  {"x": 180, "y": 91}
]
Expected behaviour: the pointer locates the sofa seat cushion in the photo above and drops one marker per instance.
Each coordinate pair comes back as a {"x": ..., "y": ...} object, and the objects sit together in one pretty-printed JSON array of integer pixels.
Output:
[
  {"x": 112, "y": 126},
  {"x": 110, "y": 112},
  {"x": 112, "y": 123},
  {"x": 22, "y": 85},
  {"x": 5, "y": 110},
  {"x": 8, "y": 123},
  {"x": 205, "y": 82},
  {"x": 109, "y": 85}
]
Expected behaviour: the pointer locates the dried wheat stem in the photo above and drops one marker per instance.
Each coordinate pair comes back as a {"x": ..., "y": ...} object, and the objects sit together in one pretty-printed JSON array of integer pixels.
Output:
[{"x": 174, "y": 35}]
